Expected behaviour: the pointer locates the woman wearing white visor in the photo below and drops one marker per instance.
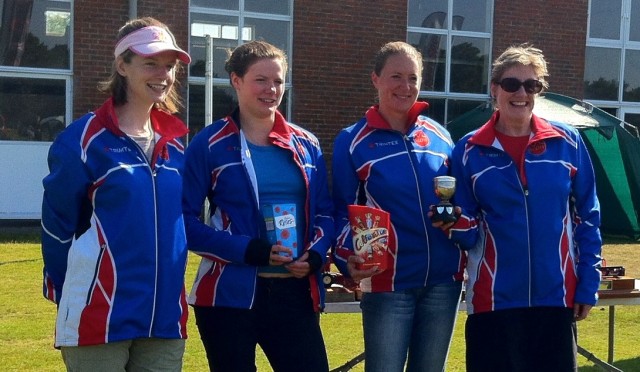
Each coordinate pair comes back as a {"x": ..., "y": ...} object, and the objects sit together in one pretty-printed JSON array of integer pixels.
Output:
[{"x": 113, "y": 238}]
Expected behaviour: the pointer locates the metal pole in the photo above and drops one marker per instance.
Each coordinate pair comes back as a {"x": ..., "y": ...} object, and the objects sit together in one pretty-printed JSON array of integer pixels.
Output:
[
  {"x": 133, "y": 9},
  {"x": 612, "y": 322},
  {"x": 208, "y": 81},
  {"x": 600, "y": 363},
  {"x": 208, "y": 104}
]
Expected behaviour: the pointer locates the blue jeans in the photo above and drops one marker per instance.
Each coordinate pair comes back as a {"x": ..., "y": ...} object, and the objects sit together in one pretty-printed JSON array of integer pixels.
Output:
[{"x": 417, "y": 323}]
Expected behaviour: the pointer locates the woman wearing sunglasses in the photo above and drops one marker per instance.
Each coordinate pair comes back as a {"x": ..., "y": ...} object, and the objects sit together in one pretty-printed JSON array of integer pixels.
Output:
[{"x": 526, "y": 189}]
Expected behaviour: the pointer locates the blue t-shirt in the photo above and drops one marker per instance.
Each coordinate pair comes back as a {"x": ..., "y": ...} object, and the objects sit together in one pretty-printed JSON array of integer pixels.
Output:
[{"x": 279, "y": 182}]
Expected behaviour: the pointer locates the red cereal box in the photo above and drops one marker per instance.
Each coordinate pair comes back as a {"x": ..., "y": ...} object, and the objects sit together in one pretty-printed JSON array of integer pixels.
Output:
[{"x": 370, "y": 233}]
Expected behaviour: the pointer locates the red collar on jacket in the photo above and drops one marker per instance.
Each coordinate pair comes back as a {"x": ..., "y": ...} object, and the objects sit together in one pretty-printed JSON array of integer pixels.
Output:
[
  {"x": 486, "y": 135},
  {"x": 163, "y": 123},
  {"x": 375, "y": 120},
  {"x": 281, "y": 131}
]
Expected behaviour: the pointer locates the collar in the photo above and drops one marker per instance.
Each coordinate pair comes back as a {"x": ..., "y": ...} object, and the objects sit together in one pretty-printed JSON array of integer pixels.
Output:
[
  {"x": 163, "y": 123},
  {"x": 540, "y": 129},
  {"x": 280, "y": 133},
  {"x": 375, "y": 120}
]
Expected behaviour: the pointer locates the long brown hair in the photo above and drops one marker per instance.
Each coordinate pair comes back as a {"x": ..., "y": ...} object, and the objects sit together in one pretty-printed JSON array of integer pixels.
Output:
[{"x": 116, "y": 85}]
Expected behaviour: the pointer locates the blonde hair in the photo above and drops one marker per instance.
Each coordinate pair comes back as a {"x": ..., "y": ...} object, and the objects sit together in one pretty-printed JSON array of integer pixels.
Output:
[
  {"x": 524, "y": 54},
  {"x": 393, "y": 48}
]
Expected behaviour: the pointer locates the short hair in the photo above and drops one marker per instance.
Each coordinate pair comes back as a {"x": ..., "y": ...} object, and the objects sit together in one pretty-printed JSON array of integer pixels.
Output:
[
  {"x": 393, "y": 48},
  {"x": 116, "y": 84},
  {"x": 249, "y": 53},
  {"x": 524, "y": 54}
]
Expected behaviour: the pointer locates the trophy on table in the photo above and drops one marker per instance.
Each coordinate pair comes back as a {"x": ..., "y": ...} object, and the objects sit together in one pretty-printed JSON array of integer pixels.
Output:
[{"x": 444, "y": 187}]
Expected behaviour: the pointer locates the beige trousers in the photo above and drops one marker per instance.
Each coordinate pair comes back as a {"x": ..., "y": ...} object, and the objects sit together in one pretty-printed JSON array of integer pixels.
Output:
[{"x": 139, "y": 355}]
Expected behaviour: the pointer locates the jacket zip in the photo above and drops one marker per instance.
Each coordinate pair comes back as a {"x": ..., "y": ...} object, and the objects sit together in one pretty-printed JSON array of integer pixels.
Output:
[
  {"x": 150, "y": 163},
  {"x": 408, "y": 147}
]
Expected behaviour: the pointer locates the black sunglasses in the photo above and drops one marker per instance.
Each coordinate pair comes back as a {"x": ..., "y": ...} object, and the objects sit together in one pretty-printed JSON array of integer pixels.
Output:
[{"x": 512, "y": 85}]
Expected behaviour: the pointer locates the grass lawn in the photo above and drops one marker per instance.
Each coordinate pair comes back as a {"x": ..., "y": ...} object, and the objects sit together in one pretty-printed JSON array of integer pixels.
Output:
[{"x": 27, "y": 319}]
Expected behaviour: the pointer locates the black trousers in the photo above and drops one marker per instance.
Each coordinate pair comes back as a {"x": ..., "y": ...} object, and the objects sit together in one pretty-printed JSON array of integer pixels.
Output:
[
  {"x": 282, "y": 322},
  {"x": 522, "y": 340}
]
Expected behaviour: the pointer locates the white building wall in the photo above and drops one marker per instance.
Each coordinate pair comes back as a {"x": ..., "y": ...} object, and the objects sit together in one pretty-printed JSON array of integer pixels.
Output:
[{"x": 23, "y": 165}]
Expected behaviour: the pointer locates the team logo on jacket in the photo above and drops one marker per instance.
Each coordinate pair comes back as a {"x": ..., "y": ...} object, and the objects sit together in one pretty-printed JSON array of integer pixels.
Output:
[
  {"x": 421, "y": 139},
  {"x": 383, "y": 144},
  {"x": 117, "y": 150},
  {"x": 538, "y": 148}
]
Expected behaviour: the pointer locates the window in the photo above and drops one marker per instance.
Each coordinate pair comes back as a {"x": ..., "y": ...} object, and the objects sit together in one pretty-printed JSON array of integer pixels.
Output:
[
  {"x": 454, "y": 38},
  {"x": 633, "y": 119},
  {"x": 35, "y": 69},
  {"x": 612, "y": 60},
  {"x": 230, "y": 23}
]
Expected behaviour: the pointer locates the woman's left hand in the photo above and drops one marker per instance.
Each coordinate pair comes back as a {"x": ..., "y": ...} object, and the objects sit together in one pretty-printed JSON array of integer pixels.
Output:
[
  {"x": 441, "y": 225},
  {"x": 580, "y": 311},
  {"x": 300, "y": 267}
]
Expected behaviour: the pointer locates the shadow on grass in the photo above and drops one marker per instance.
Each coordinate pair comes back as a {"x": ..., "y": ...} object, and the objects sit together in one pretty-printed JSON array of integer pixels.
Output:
[
  {"x": 613, "y": 239},
  {"x": 623, "y": 365},
  {"x": 18, "y": 231},
  {"x": 19, "y": 238}
]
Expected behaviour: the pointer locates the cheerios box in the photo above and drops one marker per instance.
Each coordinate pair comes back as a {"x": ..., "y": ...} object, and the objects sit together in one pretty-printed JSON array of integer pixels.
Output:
[
  {"x": 280, "y": 220},
  {"x": 370, "y": 234}
]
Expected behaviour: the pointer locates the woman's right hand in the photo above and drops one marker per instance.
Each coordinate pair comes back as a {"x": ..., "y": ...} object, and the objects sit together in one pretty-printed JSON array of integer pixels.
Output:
[
  {"x": 276, "y": 259},
  {"x": 356, "y": 274}
]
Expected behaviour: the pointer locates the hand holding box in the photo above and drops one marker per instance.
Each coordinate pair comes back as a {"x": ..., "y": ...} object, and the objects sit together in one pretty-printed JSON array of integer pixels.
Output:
[{"x": 280, "y": 220}]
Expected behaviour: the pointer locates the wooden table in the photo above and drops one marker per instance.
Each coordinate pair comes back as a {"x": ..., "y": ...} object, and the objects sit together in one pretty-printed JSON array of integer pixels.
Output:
[{"x": 612, "y": 298}]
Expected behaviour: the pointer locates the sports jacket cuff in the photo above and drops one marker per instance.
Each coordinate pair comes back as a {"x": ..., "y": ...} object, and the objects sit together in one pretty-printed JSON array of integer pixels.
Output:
[
  {"x": 315, "y": 260},
  {"x": 258, "y": 252}
]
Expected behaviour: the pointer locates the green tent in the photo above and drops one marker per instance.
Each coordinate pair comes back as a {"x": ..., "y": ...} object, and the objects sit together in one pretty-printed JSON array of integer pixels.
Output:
[{"x": 614, "y": 147}]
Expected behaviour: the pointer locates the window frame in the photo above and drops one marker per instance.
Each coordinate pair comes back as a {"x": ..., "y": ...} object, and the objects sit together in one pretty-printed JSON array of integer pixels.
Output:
[
  {"x": 241, "y": 15},
  {"x": 65, "y": 75},
  {"x": 449, "y": 34},
  {"x": 621, "y": 45}
]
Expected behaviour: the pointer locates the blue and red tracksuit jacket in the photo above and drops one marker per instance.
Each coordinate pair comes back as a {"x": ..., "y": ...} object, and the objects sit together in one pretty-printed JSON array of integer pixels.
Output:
[
  {"x": 532, "y": 235},
  {"x": 219, "y": 168},
  {"x": 113, "y": 241},
  {"x": 395, "y": 171}
]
